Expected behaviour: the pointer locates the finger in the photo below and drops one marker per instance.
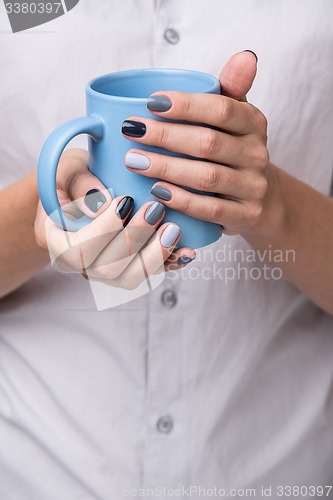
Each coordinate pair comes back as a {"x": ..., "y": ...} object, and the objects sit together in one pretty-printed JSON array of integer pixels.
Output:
[
  {"x": 118, "y": 254},
  {"x": 152, "y": 256},
  {"x": 76, "y": 251},
  {"x": 238, "y": 75},
  {"x": 209, "y": 208},
  {"x": 199, "y": 142},
  {"x": 80, "y": 188},
  {"x": 39, "y": 226},
  {"x": 180, "y": 258},
  {"x": 195, "y": 174},
  {"x": 214, "y": 110}
]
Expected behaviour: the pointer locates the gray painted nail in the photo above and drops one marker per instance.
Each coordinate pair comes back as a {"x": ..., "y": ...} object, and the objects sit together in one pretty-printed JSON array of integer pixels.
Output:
[
  {"x": 161, "y": 192},
  {"x": 169, "y": 235},
  {"x": 159, "y": 103},
  {"x": 184, "y": 260},
  {"x": 94, "y": 199},
  {"x": 154, "y": 212},
  {"x": 138, "y": 161}
]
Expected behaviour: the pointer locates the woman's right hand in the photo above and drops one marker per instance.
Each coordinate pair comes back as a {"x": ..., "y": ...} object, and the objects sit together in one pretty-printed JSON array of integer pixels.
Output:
[{"x": 109, "y": 249}]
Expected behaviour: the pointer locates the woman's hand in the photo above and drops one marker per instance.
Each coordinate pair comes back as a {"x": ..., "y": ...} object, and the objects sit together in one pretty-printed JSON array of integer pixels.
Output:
[
  {"x": 111, "y": 248},
  {"x": 271, "y": 209},
  {"x": 231, "y": 148}
]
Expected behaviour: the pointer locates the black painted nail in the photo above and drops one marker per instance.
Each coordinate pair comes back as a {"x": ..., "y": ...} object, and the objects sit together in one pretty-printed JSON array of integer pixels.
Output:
[
  {"x": 159, "y": 103},
  {"x": 133, "y": 129},
  {"x": 161, "y": 192},
  {"x": 94, "y": 199},
  {"x": 154, "y": 212},
  {"x": 184, "y": 260},
  {"x": 255, "y": 55},
  {"x": 124, "y": 207}
]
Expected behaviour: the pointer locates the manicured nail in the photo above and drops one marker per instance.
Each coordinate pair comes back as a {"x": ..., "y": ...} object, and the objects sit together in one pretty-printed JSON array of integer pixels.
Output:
[
  {"x": 94, "y": 199},
  {"x": 159, "y": 103},
  {"x": 154, "y": 212},
  {"x": 182, "y": 261},
  {"x": 133, "y": 129},
  {"x": 161, "y": 192},
  {"x": 124, "y": 207},
  {"x": 138, "y": 161},
  {"x": 255, "y": 55},
  {"x": 169, "y": 235}
]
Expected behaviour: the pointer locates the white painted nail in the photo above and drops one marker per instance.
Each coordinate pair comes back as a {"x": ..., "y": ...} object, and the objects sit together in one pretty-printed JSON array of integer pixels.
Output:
[
  {"x": 138, "y": 161},
  {"x": 169, "y": 235}
]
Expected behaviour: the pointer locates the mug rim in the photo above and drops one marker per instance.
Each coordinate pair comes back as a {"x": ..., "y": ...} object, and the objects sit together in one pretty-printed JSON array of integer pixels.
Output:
[{"x": 212, "y": 81}]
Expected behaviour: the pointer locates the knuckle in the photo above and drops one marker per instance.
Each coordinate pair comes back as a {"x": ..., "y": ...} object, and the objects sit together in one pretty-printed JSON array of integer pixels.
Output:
[
  {"x": 128, "y": 282},
  {"x": 163, "y": 134},
  {"x": 254, "y": 214},
  {"x": 163, "y": 168},
  {"x": 261, "y": 187},
  {"x": 208, "y": 177},
  {"x": 68, "y": 163},
  {"x": 71, "y": 181},
  {"x": 186, "y": 204},
  {"x": 226, "y": 109},
  {"x": 186, "y": 105},
  {"x": 209, "y": 143},
  {"x": 228, "y": 179},
  {"x": 261, "y": 157},
  {"x": 214, "y": 211},
  {"x": 111, "y": 271},
  {"x": 261, "y": 122}
]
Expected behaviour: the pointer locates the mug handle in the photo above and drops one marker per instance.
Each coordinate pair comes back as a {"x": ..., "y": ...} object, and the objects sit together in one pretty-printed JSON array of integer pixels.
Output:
[{"x": 48, "y": 165}]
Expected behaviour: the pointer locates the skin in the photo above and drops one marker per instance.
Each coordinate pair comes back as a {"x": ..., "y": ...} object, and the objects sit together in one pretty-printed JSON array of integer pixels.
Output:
[
  {"x": 108, "y": 249},
  {"x": 20, "y": 256},
  {"x": 269, "y": 208},
  {"x": 258, "y": 200}
]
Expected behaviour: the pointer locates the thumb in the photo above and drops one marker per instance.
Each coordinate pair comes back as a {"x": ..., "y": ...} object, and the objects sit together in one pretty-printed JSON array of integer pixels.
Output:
[
  {"x": 238, "y": 75},
  {"x": 78, "y": 188}
]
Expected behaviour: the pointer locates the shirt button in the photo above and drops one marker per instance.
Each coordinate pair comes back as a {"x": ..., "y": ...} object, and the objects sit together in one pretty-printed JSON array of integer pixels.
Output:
[
  {"x": 171, "y": 36},
  {"x": 169, "y": 298},
  {"x": 165, "y": 424}
]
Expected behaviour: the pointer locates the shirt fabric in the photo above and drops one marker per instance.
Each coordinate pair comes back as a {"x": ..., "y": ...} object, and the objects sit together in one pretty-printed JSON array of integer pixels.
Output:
[{"x": 202, "y": 381}]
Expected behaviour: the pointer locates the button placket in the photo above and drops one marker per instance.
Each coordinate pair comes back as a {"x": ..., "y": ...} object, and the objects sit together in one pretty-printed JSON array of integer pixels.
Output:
[{"x": 162, "y": 409}]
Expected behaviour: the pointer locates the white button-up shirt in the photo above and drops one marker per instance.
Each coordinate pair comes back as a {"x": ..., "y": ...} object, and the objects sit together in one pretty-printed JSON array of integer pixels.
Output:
[{"x": 222, "y": 376}]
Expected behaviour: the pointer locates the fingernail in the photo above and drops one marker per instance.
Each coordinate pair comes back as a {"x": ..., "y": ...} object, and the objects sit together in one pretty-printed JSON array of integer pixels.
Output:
[
  {"x": 182, "y": 261},
  {"x": 169, "y": 235},
  {"x": 159, "y": 103},
  {"x": 255, "y": 55},
  {"x": 94, "y": 199},
  {"x": 161, "y": 192},
  {"x": 133, "y": 129},
  {"x": 138, "y": 161},
  {"x": 124, "y": 207},
  {"x": 154, "y": 212}
]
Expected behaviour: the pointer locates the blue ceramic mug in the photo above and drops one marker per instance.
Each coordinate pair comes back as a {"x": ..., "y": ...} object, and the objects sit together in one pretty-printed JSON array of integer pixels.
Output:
[{"x": 110, "y": 100}]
